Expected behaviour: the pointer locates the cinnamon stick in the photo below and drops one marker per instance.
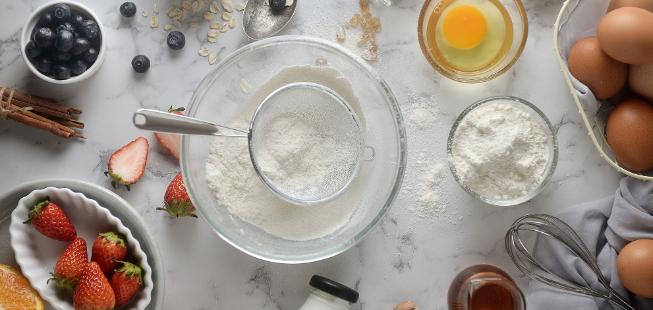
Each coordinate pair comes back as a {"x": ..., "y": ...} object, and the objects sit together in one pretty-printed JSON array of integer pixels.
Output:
[{"x": 42, "y": 102}]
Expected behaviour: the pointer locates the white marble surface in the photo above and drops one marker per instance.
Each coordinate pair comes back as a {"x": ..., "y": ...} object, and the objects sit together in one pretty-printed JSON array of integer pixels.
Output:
[{"x": 404, "y": 257}]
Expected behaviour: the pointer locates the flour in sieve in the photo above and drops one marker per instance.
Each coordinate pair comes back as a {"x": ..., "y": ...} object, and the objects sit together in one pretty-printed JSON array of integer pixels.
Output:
[{"x": 500, "y": 151}]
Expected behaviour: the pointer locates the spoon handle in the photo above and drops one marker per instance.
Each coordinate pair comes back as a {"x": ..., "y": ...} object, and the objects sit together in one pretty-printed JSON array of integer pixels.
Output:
[{"x": 160, "y": 121}]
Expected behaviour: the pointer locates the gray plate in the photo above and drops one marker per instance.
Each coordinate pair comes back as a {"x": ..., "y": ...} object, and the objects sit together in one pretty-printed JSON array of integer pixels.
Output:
[{"x": 118, "y": 207}]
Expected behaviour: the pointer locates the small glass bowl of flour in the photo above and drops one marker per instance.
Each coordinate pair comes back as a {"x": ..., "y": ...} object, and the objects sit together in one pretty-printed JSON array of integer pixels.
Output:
[{"x": 502, "y": 150}]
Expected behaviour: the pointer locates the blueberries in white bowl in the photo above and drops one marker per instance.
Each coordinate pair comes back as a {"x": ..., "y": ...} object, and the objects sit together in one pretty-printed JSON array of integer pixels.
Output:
[{"x": 65, "y": 42}]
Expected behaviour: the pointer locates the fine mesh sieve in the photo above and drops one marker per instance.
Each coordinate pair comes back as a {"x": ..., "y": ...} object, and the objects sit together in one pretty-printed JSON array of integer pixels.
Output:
[{"x": 305, "y": 142}]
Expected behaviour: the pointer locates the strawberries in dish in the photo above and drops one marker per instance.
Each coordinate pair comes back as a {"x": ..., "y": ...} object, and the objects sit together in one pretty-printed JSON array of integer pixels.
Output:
[
  {"x": 127, "y": 165},
  {"x": 126, "y": 282},
  {"x": 93, "y": 291},
  {"x": 50, "y": 220},
  {"x": 170, "y": 142},
  {"x": 176, "y": 200},
  {"x": 70, "y": 264},
  {"x": 108, "y": 249}
]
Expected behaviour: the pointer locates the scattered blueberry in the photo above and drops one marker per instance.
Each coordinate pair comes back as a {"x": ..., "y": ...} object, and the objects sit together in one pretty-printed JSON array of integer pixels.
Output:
[
  {"x": 176, "y": 40},
  {"x": 44, "y": 37},
  {"x": 140, "y": 63},
  {"x": 90, "y": 29},
  {"x": 61, "y": 12},
  {"x": 277, "y": 5},
  {"x": 80, "y": 45},
  {"x": 77, "y": 19},
  {"x": 78, "y": 67},
  {"x": 128, "y": 9},
  {"x": 65, "y": 26},
  {"x": 46, "y": 20},
  {"x": 90, "y": 56},
  {"x": 62, "y": 57},
  {"x": 44, "y": 65},
  {"x": 61, "y": 72},
  {"x": 64, "y": 41},
  {"x": 32, "y": 51}
]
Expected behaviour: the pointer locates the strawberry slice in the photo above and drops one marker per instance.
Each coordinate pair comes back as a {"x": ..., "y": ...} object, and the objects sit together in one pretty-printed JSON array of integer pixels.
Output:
[
  {"x": 171, "y": 142},
  {"x": 126, "y": 165}
]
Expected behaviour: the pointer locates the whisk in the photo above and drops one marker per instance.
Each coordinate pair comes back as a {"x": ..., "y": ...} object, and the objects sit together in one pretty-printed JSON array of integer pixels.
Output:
[{"x": 555, "y": 228}]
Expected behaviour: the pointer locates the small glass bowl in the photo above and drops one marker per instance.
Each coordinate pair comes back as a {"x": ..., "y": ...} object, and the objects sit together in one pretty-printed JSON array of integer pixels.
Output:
[
  {"x": 539, "y": 117},
  {"x": 519, "y": 19}
]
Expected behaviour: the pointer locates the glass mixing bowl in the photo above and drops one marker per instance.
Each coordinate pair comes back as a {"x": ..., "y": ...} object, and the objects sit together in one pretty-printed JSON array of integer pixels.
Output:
[
  {"x": 221, "y": 97},
  {"x": 539, "y": 117},
  {"x": 517, "y": 13}
]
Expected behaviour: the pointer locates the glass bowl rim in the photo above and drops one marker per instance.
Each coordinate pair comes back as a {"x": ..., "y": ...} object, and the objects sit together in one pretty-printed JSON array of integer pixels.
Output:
[
  {"x": 392, "y": 104},
  {"x": 552, "y": 164},
  {"x": 472, "y": 79}
]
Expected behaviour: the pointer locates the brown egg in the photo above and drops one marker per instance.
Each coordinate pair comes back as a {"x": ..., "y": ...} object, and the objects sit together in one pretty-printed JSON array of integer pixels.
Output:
[
  {"x": 630, "y": 134},
  {"x": 642, "y": 4},
  {"x": 604, "y": 76},
  {"x": 635, "y": 267},
  {"x": 641, "y": 80},
  {"x": 625, "y": 34}
]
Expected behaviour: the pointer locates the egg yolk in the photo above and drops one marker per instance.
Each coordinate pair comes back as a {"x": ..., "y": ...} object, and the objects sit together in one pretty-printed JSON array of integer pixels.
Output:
[{"x": 464, "y": 27}]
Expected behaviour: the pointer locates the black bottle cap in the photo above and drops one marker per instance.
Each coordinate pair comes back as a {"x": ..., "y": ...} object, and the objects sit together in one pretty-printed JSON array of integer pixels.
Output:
[{"x": 334, "y": 288}]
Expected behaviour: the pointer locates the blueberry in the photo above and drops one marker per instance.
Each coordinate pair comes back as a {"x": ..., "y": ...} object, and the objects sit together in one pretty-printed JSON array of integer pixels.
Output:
[
  {"x": 62, "y": 57},
  {"x": 46, "y": 20},
  {"x": 44, "y": 65},
  {"x": 90, "y": 56},
  {"x": 78, "y": 67},
  {"x": 61, "y": 72},
  {"x": 61, "y": 12},
  {"x": 140, "y": 63},
  {"x": 176, "y": 40},
  {"x": 277, "y": 5},
  {"x": 44, "y": 37},
  {"x": 64, "y": 41},
  {"x": 77, "y": 19},
  {"x": 90, "y": 29},
  {"x": 32, "y": 51},
  {"x": 65, "y": 26},
  {"x": 80, "y": 45},
  {"x": 128, "y": 9}
]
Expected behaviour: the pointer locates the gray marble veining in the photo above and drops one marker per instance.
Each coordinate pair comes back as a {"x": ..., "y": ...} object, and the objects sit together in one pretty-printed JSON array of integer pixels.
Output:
[{"x": 405, "y": 257}]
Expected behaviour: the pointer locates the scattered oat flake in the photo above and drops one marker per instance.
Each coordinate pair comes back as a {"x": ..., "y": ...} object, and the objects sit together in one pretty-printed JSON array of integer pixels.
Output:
[
  {"x": 232, "y": 23},
  {"x": 224, "y": 27},
  {"x": 226, "y": 16},
  {"x": 187, "y": 5},
  {"x": 209, "y": 16},
  {"x": 240, "y": 6},
  {"x": 215, "y": 25},
  {"x": 212, "y": 39},
  {"x": 341, "y": 34},
  {"x": 167, "y": 27},
  {"x": 213, "y": 57},
  {"x": 213, "y": 33},
  {"x": 154, "y": 21},
  {"x": 227, "y": 5},
  {"x": 144, "y": 14},
  {"x": 156, "y": 8},
  {"x": 245, "y": 86},
  {"x": 214, "y": 7},
  {"x": 204, "y": 51}
]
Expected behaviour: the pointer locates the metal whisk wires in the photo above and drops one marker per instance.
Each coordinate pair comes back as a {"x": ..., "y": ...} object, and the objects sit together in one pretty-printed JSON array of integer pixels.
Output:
[{"x": 549, "y": 226}]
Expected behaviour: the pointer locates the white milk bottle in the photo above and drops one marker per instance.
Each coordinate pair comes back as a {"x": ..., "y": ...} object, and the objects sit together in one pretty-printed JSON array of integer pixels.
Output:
[{"x": 329, "y": 295}]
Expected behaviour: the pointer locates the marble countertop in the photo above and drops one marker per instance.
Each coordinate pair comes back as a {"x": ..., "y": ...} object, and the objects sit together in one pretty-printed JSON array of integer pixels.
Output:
[{"x": 413, "y": 253}]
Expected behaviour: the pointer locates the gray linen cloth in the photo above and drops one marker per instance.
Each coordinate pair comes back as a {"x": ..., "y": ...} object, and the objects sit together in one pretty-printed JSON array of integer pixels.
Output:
[{"x": 605, "y": 226}]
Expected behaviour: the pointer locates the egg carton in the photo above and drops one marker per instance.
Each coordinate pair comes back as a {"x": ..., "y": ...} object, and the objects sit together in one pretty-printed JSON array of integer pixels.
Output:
[{"x": 578, "y": 19}]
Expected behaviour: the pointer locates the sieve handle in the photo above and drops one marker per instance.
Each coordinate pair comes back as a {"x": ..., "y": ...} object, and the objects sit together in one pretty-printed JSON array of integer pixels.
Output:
[{"x": 160, "y": 121}]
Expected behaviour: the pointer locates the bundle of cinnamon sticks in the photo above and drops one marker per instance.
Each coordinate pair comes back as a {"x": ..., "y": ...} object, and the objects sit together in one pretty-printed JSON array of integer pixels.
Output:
[{"x": 43, "y": 113}]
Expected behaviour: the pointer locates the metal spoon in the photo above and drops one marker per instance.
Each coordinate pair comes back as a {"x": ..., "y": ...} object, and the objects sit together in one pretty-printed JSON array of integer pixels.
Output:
[{"x": 260, "y": 22}]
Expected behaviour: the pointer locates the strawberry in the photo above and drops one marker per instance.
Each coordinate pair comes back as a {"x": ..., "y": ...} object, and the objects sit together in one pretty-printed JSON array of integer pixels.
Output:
[
  {"x": 126, "y": 282},
  {"x": 50, "y": 220},
  {"x": 126, "y": 165},
  {"x": 93, "y": 291},
  {"x": 108, "y": 249},
  {"x": 170, "y": 142},
  {"x": 70, "y": 264},
  {"x": 176, "y": 200}
]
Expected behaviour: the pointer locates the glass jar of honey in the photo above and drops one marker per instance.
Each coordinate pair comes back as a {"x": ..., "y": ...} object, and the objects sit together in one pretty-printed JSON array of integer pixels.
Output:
[{"x": 484, "y": 287}]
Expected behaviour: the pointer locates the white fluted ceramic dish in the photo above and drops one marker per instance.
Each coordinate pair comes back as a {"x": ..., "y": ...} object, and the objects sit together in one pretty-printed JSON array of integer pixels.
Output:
[{"x": 116, "y": 212}]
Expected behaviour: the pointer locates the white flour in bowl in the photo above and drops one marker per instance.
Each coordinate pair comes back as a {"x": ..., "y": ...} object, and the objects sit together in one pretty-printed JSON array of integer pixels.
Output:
[
  {"x": 500, "y": 152},
  {"x": 232, "y": 178}
]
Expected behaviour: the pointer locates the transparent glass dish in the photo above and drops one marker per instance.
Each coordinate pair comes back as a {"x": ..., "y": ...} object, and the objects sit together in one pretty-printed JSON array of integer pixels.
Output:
[
  {"x": 517, "y": 14},
  {"x": 221, "y": 97},
  {"x": 539, "y": 117}
]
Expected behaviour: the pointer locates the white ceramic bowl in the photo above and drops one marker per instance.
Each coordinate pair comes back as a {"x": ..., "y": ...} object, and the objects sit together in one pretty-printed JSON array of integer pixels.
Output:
[
  {"x": 31, "y": 23},
  {"x": 36, "y": 254}
]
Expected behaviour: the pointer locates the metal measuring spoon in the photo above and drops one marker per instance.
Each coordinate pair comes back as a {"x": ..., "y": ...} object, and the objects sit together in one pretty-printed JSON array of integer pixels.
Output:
[{"x": 259, "y": 21}]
